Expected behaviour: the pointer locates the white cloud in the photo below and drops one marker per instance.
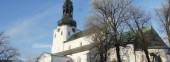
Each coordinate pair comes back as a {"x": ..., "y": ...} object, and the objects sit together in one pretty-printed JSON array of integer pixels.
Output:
[{"x": 40, "y": 45}]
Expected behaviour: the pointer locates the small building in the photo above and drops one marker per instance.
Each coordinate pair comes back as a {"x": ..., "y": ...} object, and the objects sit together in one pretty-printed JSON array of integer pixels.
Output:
[{"x": 48, "y": 57}]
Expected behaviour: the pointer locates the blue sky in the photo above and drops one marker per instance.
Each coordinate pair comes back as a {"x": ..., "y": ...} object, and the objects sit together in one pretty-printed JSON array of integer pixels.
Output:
[{"x": 30, "y": 23}]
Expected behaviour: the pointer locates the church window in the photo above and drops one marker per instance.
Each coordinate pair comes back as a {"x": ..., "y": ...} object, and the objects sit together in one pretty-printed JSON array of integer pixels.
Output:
[
  {"x": 69, "y": 33},
  {"x": 58, "y": 29},
  {"x": 54, "y": 35},
  {"x": 78, "y": 59},
  {"x": 73, "y": 30},
  {"x": 156, "y": 58},
  {"x": 61, "y": 32}
]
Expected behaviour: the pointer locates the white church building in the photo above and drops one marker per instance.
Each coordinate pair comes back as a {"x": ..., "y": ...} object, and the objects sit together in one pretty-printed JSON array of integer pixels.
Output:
[{"x": 73, "y": 45}]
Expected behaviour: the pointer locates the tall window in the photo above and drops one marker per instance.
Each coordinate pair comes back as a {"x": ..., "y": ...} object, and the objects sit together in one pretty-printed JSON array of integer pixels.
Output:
[
  {"x": 61, "y": 32},
  {"x": 69, "y": 33},
  {"x": 54, "y": 35},
  {"x": 58, "y": 29}
]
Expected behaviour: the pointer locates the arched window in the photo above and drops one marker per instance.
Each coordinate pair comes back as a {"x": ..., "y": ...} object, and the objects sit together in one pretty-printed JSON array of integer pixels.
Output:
[
  {"x": 54, "y": 35},
  {"x": 78, "y": 59},
  {"x": 58, "y": 29},
  {"x": 156, "y": 58},
  {"x": 61, "y": 32},
  {"x": 69, "y": 33}
]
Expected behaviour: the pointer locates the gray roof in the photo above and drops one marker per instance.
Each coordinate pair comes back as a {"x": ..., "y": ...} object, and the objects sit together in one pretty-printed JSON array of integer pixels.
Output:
[
  {"x": 76, "y": 50},
  {"x": 155, "y": 43},
  {"x": 79, "y": 35}
]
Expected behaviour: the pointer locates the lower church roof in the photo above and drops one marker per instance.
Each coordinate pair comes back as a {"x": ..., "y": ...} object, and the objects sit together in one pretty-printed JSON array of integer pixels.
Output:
[
  {"x": 76, "y": 50},
  {"x": 155, "y": 41}
]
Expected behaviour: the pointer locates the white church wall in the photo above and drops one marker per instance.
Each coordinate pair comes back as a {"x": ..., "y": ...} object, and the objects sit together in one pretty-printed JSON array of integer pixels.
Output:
[
  {"x": 76, "y": 43},
  {"x": 160, "y": 52},
  {"x": 140, "y": 56},
  {"x": 61, "y": 59},
  {"x": 79, "y": 57},
  {"x": 57, "y": 40},
  {"x": 44, "y": 58},
  {"x": 61, "y": 34},
  {"x": 127, "y": 54}
]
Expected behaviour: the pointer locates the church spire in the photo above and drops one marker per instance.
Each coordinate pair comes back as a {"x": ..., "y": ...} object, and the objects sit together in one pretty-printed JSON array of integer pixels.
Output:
[
  {"x": 68, "y": 8},
  {"x": 67, "y": 18}
]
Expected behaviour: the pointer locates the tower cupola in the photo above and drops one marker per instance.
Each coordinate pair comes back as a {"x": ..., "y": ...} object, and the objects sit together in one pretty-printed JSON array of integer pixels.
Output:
[{"x": 67, "y": 18}]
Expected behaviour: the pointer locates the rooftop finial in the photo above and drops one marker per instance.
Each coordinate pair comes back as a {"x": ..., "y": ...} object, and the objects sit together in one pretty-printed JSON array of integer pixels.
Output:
[{"x": 68, "y": 8}]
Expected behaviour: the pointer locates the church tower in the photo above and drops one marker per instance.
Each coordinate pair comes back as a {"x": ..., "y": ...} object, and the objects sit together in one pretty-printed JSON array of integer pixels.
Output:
[{"x": 66, "y": 28}]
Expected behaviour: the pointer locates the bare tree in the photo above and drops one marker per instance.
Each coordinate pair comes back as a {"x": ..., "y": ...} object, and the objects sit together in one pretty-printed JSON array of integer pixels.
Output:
[
  {"x": 138, "y": 21},
  {"x": 109, "y": 17},
  {"x": 7, "y": 53},
  {"x": 99, "y": 40},
  {"x": 164, "y": 16}
]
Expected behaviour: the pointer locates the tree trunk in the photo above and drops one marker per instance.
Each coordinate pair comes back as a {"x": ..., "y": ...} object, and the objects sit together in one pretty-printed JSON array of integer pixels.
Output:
[
  {"x": 106, "y": 57},
  {"x": 101, "y": 57},
  {"x": 135, "y": 55},
  {"x": 169, "y": 38},
  {"x": 118, "y": 53},
  {"x": 147, "y": 55}
]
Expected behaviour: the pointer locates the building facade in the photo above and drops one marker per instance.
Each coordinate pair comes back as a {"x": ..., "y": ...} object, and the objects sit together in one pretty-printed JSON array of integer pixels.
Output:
[{"x": 73, "y": 45}]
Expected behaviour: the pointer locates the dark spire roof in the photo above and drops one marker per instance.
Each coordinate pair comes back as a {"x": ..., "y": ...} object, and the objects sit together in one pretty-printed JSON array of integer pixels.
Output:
[{"x": 67, "y": 18}]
